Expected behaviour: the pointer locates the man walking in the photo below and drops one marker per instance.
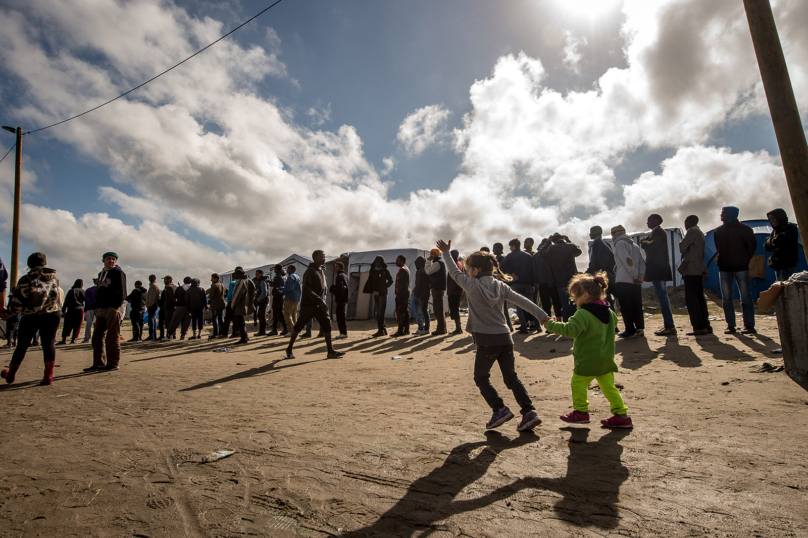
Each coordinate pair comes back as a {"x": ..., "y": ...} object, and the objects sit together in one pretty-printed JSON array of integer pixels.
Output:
[
  {"x": 658, "y": 270},
  {"x": 436, "y": 270},
  {"x": 152, "y": 300},
  {"x": 108, "y": 316},
  {"x": 402, "y": 291},
  {"x": 313, "y": 305},
  {"x": 519, "y": 264},
  {"x": 692, "y": 270},
  {"x": 736, "y": 244},
  {"x": 629, "y": 273},
  {"x": 261, "y": 301},
  {"x": 341, "y": 293},
  {"x": 783, "y": 243}
]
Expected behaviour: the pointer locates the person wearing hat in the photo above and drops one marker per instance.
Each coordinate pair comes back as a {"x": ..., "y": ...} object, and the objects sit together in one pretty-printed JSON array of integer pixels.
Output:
[
  {"x": 435, "y": 269},
  {"x": 110, "y": 309},
  {"x": 36, "y": 297},
  {"x": 629, "y": 271}
]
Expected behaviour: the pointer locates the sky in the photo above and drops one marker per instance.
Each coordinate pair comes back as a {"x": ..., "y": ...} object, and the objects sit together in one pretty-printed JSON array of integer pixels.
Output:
[{"x": 352, "y": 125}]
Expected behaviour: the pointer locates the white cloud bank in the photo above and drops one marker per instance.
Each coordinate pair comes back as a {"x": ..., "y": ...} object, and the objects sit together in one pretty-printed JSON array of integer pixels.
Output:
[
  {"x": 572, "y": 51},
  {"x": 534, "y": 159}
]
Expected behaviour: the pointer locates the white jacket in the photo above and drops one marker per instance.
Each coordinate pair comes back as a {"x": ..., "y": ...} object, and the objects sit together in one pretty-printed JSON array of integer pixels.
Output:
[{"x": 629, "y": 265}]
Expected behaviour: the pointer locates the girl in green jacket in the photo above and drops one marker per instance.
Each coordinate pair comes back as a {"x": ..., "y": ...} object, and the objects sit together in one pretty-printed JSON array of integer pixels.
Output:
[{"x": 592, "y": 327}]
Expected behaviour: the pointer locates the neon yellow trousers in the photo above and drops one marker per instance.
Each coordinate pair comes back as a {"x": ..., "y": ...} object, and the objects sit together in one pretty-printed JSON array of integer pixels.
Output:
[{"x": 579, "y": 385}]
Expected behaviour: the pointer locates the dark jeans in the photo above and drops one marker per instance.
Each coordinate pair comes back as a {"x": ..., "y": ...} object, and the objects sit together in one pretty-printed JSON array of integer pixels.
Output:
[
  {"x": 12, "y": 330},
  {"x": 341, "y": 311},
  {"x": 181, "y": 319},
  {"x": 784, "y": 274},
  {"x": 696, "y": 302},
  {"x": 277, "y": 314},
  {"x": 728, "y": 281},
  {"x": 47, "y": 325},
  {"x": 454, "y": 307},
  {"x": 228, "y": 319},
  {"x": 524, "y": 317},
  {"x": 380, "y": 307},
  {"x": 72, "y": 324},
  {"x": 437, "y": 308},
  {"x": 550, "y": 300},
  {"x": 198, "y": 320},
  {"x": 216, "y": 320},
  {"x": 484, "y": 361},
  {"x": 152, "y": 322},
  {"x": 261, "y": 309},
  {"x": 137, "y": 325},
  {"x": 165, "y": 321},
  {"x": 240, "y": 326},
  {"x": 630, "y": 298},
  {"x": 403, "y": 314}
]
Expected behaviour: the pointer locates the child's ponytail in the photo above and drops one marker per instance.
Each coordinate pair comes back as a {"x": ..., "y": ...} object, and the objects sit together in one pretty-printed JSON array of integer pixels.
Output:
[{"x": 487, "y": 263}]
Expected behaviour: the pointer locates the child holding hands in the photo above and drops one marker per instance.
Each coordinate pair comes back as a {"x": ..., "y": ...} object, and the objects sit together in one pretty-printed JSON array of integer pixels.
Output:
[
  {"x": 486, "y": 291},
  {"x": 592, "y": 326}
]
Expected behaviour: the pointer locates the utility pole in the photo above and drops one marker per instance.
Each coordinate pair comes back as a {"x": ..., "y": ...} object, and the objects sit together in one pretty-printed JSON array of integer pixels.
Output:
[
  {"x": 782, "y": 106},
  {"x": 15, "y": 230}
]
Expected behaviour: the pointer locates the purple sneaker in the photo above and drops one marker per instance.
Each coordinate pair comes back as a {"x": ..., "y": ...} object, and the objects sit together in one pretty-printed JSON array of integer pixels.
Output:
[
  {"x": 529, "y": 421},
  {"x": 575, "y": 417},
  {"x": 499, "y": 418}
]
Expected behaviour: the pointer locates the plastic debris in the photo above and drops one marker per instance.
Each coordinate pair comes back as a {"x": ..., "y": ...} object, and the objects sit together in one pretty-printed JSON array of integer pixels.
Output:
[
  {"x": 394, "y": 357},
  {"x": 221, "y": 350},
  {"x": 777, "y": 351},
  {"x": 218, "y": 455}
]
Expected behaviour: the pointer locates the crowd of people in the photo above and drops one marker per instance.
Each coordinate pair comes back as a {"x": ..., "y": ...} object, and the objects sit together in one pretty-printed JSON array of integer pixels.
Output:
[{"x": 489, "y": 279}]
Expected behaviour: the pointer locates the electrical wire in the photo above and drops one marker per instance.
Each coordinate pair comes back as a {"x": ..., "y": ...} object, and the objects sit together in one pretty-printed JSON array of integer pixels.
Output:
[
  {"x": 161, "y": 74},
  {"x": 9, "y": 151}
]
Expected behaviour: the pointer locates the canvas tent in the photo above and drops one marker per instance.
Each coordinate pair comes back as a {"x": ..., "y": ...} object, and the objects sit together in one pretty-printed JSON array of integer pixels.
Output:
[
  {"x": 761, "y": 275},
  {"x": 675, "y": 258},
  {"x": 360, "y": 305}
]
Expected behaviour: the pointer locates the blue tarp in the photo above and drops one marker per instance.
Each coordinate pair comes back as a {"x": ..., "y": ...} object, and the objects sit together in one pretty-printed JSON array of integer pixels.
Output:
[{"x": 762, "y": 229}]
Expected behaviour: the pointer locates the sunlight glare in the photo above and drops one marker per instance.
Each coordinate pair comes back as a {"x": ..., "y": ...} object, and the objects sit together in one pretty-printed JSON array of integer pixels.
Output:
[{"x": 588, "y": 8}]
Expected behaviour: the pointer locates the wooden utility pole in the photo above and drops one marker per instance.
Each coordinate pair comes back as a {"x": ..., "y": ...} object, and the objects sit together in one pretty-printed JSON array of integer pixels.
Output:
[
  {"x": 15, "y": 230},
  {"x": 782, "y": 105}
]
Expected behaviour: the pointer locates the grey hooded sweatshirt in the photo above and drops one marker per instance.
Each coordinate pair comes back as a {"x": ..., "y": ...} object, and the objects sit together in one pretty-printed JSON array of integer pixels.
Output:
[{"x": 486, "y": 295}]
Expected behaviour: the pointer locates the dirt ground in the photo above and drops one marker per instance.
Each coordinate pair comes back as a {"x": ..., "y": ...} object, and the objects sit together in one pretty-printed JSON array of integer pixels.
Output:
[{"x": 367, "y": 445}]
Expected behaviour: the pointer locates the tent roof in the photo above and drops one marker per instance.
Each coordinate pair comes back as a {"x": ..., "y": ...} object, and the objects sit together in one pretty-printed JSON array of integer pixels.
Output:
[{"x": 367, "y": 257}]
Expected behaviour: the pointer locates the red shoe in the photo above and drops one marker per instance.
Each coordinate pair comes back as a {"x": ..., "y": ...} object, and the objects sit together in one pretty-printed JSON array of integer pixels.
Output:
[
  {"x": 616, "y": 422},
  {"x": 575, "y": 417},
  {"x": 9, "y": 374},
  {"x": 48, "y": 379}
]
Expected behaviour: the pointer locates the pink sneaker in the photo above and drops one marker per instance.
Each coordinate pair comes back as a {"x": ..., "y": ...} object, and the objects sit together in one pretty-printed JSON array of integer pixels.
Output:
[
  {"x": 575, "y": 417},
  {"x": 616, "y": 422}
]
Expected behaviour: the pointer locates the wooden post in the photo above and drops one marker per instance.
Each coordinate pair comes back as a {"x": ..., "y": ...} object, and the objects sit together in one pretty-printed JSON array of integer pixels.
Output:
[
  {"x": 782, "y": 105},
  {"x": 15, "y": 229}
]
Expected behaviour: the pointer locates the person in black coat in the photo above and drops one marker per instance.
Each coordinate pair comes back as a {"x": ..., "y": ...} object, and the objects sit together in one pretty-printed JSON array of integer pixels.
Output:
[
  {"x": 379, "y": 280},
  {"x": 73, "y": 310},
  {"x": 560, "y": 253},
  {"x": 658, "y": 270},
  {"x": 736, "y": 246},
  {"x": 601, "y": 258},
  {"x": 137, "y": 304},
  {"x": 341, "y": 293},
  {"x": 783, "y": 243}
]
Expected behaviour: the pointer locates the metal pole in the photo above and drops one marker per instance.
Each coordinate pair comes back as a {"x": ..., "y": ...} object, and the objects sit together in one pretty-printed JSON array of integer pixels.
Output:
[
  {"x": 15, "y": 233},
  {"x": 782, "y": 105}
]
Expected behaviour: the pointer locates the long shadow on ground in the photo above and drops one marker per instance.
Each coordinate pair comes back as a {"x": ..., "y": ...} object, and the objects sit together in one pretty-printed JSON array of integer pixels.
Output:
[{"x": 590, "y": 488}]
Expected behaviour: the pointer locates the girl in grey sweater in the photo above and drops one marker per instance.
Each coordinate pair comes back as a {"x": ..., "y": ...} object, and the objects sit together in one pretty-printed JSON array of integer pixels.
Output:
[{"x": 486, "y": 291}]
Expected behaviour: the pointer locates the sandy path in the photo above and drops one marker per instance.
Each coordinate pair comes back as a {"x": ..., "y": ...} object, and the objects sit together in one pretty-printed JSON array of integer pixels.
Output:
[{"x": 369, "y": 446}]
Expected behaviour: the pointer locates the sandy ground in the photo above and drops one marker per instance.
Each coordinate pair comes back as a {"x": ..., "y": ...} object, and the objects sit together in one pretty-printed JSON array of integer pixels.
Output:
[{"x": 369, "y": 446}]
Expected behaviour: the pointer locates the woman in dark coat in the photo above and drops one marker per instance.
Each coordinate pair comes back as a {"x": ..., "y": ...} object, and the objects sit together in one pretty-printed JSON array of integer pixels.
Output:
[
  {"x": 379, "y": 280},
  {"x": 73, "y": 311}
]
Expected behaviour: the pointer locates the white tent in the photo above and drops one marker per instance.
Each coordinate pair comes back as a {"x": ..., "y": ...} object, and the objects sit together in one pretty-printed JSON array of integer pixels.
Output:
[
  {"x": 360, "y": 305},
  {"x": 675, "y": 258},
  {"x": 298, "y": 260}
]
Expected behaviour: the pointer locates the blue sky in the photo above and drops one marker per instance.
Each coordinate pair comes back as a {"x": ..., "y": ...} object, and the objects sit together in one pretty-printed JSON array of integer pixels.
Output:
[{"x": 355, "y": 125}]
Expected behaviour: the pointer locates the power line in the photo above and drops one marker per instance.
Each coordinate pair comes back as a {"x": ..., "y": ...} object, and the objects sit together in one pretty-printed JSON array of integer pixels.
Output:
[
  {"x": 9, "y": 151},
  {"x": 159, "y": 75}
]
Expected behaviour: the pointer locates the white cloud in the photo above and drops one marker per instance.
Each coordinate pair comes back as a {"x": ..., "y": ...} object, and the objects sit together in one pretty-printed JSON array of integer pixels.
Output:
[
  {"x": 535, "y": 160},
  {"x": 572, "y": 51},
  {"x": 389, "y": 165},
  {"x": 423, "y": 128},
  {"x": 319, "y": 115}
]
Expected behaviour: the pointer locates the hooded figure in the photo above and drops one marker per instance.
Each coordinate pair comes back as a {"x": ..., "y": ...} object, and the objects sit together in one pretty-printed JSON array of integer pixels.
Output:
[
  {"x": 783, "y": 243},
  {"x": 420, "y": 295},
  {"x": 378, "y": 281},
  {"x": 736, "y": 245}
]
